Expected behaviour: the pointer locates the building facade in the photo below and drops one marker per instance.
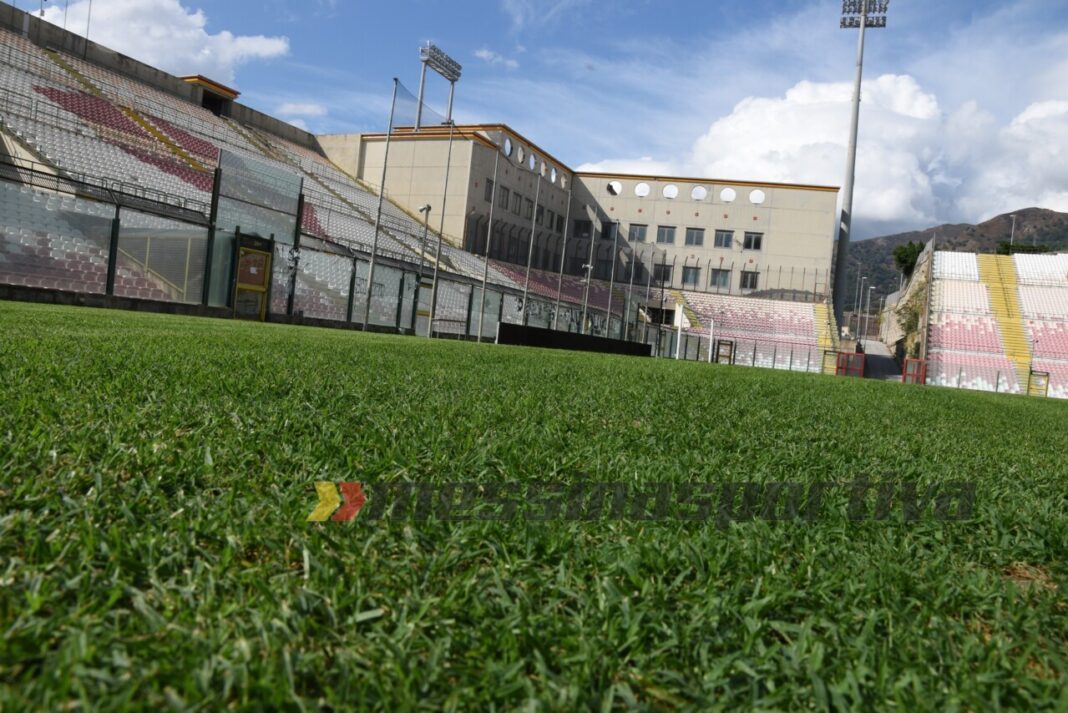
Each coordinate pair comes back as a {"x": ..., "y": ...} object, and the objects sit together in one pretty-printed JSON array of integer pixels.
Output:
[{"x": 730, "y": 237}]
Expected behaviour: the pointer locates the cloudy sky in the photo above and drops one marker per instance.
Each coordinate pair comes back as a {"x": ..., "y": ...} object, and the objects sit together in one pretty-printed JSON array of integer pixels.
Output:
[{"x": 965, "y": 102}]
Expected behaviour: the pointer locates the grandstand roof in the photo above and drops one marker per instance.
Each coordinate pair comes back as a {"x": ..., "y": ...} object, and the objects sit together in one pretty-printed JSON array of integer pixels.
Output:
[{"x": 211, "y": 85}]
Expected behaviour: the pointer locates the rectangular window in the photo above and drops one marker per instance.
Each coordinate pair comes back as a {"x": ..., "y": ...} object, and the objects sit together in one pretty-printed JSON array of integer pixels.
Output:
[
  {"x": 504, "y": 198},
  {"x": 550, "y": 219},
  {"x": 749, "y": 280},
  {"x": 662, "y": 274},
  {"x": 559, "y": 223},
  {"x": 720, "y": 279},
  {"x": 695, "y": 236},
  {"x": 489, "y": 190},
  {"x": 541, "y": 215},
  {"x": 583, "y": 229},
  {"x": 529, "y": 206},
  {"x": 665, "y": 235},
  {"x": 637, "y": 233},
  {"x": 691, "y": 276},
  {"x": 608, "y": 230},
  {"x": 517, "y": 203},
  {"x": 724, "y": 238},
  {"x": 753, "y": 241}
]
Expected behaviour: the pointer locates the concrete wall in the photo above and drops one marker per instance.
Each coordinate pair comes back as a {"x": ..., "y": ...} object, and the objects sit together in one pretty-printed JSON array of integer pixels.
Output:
[{"x": 344, "y": 150}]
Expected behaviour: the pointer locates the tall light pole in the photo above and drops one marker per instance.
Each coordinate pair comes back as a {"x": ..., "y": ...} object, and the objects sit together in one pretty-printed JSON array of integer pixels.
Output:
[
  {"x": 425, "y": 209},
  {"x": 530, "y": 246},
  {"x": 867, "y": 311},
  {"x": 489, "y": 242},
  {"x": 441, "y": 235},
  {"x": 860, "y": 14},
  {"x": 1012, "y": 235},
  {"x": 859, "y": 301}
]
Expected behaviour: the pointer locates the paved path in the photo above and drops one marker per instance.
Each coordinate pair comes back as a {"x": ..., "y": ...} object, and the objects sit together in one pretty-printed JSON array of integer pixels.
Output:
[{"x": 880, "y": 363}]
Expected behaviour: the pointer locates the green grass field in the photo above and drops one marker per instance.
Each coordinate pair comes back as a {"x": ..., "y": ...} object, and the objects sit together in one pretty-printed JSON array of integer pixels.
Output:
[{"x": 156, "y": 474}]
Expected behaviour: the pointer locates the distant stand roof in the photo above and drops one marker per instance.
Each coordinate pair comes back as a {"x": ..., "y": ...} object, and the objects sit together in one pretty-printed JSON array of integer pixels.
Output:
[{"x": 212, "y": 86}]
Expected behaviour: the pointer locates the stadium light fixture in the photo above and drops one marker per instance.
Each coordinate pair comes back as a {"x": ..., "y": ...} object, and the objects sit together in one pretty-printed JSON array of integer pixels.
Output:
[
  {"x": 440, "y": 62},
  {"x": 433, "y": 57},
  {"x": 860, "y": 15}
]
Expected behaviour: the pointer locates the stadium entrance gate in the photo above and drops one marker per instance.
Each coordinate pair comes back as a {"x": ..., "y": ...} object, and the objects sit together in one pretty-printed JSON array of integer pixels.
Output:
[
  {"x": 724, "y": 353},
  {"x": 914, "y": 371},
  {"x": 252, "y": 283},
  {"x": 846, "y": 363}
]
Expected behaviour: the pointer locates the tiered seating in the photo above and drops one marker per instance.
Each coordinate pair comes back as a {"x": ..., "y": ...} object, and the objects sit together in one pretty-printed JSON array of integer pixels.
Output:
[
  {"x": 40, "y": 246},
  {"x": 960, "y": 297},
  {"x": 976, "y": 298},
  {"x": 1050, "y": 339},
  {"x": 572, "y": 288},
  {"x": 323, "y": 285},
  {"x": 968, "y": 333},
  {"x": 1042, "y": 269},
  {"x": 746, "y": 317},
  {"x": 1058, "y": 377},
  {"x": 956, "y": 266},
  {"x": 972, "y": 371},
  {"x": 1044, "y": 302}
]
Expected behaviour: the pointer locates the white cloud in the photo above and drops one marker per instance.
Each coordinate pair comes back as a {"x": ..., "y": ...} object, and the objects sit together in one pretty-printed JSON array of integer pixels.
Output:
[
  {"x": 494, "y": 58},
  {"x": 802, "y": 135},
  {"x": 167, "y": 35},
  {"x": 301, "y": 109},
  {"x": 916, "y": 165}
]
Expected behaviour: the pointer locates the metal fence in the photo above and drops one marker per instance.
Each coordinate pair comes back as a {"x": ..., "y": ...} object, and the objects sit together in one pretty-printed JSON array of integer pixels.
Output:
[{"x": 81, "y": 234}]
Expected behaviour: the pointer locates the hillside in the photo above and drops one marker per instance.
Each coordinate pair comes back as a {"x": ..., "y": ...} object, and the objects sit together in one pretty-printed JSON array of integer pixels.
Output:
[{"x": 1034, "y": 226}]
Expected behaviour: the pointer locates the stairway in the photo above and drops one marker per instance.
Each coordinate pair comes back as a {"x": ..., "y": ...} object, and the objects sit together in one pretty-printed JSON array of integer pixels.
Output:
[
  {"x": 695, "y": 321},
  {"x": 998, "y": 273},
  {"x": 826, "y": 333}
]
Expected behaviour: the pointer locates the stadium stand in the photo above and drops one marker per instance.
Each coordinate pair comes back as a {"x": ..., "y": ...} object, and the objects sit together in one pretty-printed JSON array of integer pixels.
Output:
[
  {"x": 60, "y": 242},
  {"x": 768, "y": 333},
  {"x": 88, "y": 125},
  {"x": 995, "y": 319}
]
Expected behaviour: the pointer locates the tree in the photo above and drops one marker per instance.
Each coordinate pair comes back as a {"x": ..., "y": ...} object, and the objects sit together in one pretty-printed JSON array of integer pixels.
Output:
[{"x": 905, "y": 257}]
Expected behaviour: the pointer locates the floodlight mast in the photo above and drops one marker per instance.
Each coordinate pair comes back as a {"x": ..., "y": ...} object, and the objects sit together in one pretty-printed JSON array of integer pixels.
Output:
[
  {"x": 860, "y": 14},
  {"x": 432, "y": 56}
]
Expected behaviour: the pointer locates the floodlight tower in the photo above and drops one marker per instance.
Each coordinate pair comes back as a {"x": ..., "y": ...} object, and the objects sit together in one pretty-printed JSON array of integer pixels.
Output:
[
  {"x": 861, "y": 14},
  {"x": 432, "y": 56}
]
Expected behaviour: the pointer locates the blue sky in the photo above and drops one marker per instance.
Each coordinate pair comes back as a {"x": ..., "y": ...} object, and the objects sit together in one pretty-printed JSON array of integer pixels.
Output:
[{"x": 965, "y": 114}]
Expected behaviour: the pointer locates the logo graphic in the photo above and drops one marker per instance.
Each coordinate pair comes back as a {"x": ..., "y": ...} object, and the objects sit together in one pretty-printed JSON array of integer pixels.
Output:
[{"x": 330, "y": 502}]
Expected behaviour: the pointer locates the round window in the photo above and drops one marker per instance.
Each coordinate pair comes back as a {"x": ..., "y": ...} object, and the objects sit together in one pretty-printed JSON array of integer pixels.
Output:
[{"x": 641, "y": 190}]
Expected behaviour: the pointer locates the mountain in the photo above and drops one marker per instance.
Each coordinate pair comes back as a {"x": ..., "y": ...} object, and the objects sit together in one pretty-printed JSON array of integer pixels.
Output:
[{"x": 1034, "y": 226}]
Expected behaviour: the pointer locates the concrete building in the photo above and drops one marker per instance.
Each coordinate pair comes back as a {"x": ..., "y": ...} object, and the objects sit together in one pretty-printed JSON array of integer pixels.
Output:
[{"x": 730, "y": 237}]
